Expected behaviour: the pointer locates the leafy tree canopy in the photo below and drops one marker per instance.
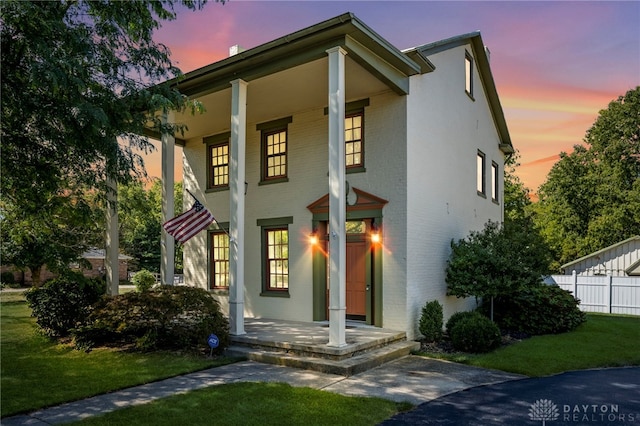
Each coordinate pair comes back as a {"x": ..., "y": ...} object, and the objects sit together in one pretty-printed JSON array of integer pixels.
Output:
[
  {"x": 76, "y": 75},
  {"x": 591, "y": 198},
  {"x": 81, "y": 82},
  {"x": 140, "y": 222}
]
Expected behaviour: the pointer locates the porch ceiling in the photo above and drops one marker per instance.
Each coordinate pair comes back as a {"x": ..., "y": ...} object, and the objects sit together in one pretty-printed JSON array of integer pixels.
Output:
[{"x": 280, "y": 94}]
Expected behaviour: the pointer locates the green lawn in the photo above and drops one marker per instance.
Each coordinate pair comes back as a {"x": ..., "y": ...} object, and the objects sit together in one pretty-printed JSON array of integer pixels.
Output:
[
  {"x": 37, "y": 372},
  {"x": 602, "y": 341},
  {"x": 257, "y": 404}
]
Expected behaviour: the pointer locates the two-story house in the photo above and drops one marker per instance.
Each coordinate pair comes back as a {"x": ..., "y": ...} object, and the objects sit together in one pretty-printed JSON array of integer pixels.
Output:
[{"x": 337, "y": 161}]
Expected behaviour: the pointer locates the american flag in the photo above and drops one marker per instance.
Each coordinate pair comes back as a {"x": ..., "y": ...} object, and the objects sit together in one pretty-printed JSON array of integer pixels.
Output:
[{"x": 189, "y": 223}]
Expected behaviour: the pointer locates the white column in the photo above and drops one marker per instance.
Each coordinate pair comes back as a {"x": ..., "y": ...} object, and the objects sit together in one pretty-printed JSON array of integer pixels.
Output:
[
  {"x": 337, "y": 200},
  {"x": 236, "y": 202},
  {"x": 112, "y": 241},
  {"x": 167, "y": 243}
]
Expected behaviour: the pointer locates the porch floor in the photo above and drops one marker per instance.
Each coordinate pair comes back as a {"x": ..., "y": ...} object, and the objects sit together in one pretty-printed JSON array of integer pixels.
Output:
[{"x": 305, "y": 345}]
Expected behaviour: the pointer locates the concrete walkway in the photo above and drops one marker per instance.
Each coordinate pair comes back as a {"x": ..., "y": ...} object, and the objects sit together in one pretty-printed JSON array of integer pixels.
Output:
[{"x": 413, "y": 379}]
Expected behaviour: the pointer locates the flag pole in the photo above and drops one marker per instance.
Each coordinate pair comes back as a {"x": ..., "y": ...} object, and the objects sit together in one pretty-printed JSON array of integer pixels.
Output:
[{"x": 214, "y": 217}]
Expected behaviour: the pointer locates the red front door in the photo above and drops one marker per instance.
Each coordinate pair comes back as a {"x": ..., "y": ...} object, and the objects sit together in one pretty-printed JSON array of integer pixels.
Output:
[{"x": 357, "y": 252}]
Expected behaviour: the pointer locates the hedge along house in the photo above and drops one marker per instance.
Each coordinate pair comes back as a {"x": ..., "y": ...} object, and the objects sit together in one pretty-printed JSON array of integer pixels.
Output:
[{"x": 342, "y": 168}]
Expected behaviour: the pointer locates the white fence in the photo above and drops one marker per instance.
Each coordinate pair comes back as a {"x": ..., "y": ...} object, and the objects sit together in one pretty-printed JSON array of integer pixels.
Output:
[{"x": 614, "y": 295}]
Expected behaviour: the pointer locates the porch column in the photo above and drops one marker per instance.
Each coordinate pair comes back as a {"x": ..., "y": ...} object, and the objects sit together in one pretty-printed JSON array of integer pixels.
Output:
[
  {"x": 112, "y": 241},
  {"x": 167, "y": 243},
  {"x": 236, "y": 203},
  {"x": 337, "y": 200}
]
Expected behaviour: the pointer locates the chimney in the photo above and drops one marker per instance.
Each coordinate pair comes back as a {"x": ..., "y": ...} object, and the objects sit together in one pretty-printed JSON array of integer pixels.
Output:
[
  {"x": 488, "y": 53},
  {"x": 235, "y": 49}
]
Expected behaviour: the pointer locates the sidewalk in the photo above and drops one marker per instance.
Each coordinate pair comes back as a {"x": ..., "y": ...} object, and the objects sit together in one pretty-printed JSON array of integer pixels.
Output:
[{"x": 413, "y": 379}]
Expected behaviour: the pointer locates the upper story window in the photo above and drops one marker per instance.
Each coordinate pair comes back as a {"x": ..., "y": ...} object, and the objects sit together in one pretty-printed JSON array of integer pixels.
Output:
[
  {"x": 275, "y": 146},
  {"x": 354, "y": 135},
  {"x": 354, "y": 140},
  {"x": 274, "y": 150},
  {"x": 468, "y": 74},
  {"x": 217, "y": 161},
  {"x": 494, "y": 181},
  {"x": 481, "y": 174}
]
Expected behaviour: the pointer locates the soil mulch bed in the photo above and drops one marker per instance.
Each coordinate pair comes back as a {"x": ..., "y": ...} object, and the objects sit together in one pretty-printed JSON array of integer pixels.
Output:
[{"x": 444, "y": 346}]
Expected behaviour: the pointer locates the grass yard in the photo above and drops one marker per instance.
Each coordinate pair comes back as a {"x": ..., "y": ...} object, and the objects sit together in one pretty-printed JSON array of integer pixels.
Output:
[
  {"x": 602, "y": 341},
  {"x": 255, "y": 404},
  {"x": 37, "y": 372}
]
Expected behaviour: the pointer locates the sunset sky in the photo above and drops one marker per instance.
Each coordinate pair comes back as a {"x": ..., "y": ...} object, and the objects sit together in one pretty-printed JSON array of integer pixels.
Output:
[{"x": 556, "y": 64}]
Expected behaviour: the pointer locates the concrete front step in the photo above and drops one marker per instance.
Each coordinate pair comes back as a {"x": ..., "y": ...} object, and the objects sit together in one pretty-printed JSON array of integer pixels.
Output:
[{"x": 355, "y": 364}]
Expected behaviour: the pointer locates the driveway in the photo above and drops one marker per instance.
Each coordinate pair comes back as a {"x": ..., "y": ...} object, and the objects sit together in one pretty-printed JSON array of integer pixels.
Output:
[{"x": 589, "y": 397}]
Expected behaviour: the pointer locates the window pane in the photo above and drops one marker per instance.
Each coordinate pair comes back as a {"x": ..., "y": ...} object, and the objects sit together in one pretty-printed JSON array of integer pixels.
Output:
[
  {"x": 468, "y": 74},
  {"x": 219, "y": 169},
  {"x": 494, "y": 181},
  {"x": 220, "y": 261},
  {"x": 276, "y": 154},
  {"x": 277, "y": 259},
  {"x": 353, "y": 141},
  {"x": 480, "y": 185}
]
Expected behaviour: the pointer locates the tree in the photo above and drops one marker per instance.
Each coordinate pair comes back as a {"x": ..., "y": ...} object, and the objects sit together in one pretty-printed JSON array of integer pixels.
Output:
[
  {"x": 140, "y": 223},
  {"x": 64, "y": 228},
  {"x": 591, "y": 197},
  {"x": 81, "y": 84},
  {"x": 496, "y": 261}
]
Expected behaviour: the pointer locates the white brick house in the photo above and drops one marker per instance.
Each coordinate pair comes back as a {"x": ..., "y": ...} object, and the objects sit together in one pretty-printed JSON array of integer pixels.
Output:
[{"x": 418, "y": 159}]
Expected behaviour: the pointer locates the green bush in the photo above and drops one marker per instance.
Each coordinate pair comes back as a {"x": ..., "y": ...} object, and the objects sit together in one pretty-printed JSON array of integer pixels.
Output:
[
  {"x": 475, "y": 333},
  {"x": 143, "y": 280},
  {"x": 455, "y": 318},
  {"x": 431, "y": 321},
  {"x": 64, "y": 303},
  {"x": 539, "y": 309},
  {"x": 7, "y": 279},
  {"x": 166, "y": 317}
]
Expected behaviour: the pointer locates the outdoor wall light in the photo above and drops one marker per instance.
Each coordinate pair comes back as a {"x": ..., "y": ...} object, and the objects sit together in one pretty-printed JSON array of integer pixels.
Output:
[
  {"x": 313, "y": 237},
  {"x": 375, "y": 233}
]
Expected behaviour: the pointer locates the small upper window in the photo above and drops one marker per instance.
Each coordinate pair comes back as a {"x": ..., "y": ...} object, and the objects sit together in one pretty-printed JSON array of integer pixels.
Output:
[
  {"x": 274, "y": 150},
  {"x": 353, "y": 138},
  {"x": 480, "y": 174},
  {"x": 468, "y": 74},
  {"x": 494, "y": 182},
  {"x": 217, "y": 161}
]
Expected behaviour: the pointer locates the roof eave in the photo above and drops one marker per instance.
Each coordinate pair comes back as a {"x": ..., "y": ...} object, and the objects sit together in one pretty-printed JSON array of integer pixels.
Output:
[
  {"x": 297, "y": 48},
  {"x": 596, "y": 253}
]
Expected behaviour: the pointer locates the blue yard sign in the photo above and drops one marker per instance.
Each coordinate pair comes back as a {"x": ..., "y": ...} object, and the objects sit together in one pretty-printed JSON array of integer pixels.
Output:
[{"x": 213, "y": 341}]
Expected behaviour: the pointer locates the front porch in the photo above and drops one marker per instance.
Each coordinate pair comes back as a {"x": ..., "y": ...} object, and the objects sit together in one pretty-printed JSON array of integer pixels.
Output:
[{"x": 305, "y": 345}]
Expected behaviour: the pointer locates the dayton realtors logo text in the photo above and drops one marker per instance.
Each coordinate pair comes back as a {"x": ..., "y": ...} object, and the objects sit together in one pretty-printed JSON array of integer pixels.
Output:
[{"x": 546, "y": 410}]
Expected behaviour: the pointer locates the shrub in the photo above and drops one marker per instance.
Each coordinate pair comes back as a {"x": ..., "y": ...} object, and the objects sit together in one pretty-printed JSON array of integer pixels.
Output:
[
  {"x": 166, "y": 317},
  {"x": 475, "y": 333},
  {"x": 64, "y": 303},
  {"x": 143, "y": 280},
  {"x": 431, "y": 321},
  {"x": 455, "y": 318},
  {"x": 539, "y": 309},
  {"x": 7, "y": 279}
]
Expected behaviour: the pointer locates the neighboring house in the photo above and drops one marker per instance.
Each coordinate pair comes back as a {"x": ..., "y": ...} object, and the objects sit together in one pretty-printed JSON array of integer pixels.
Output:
[
  {"x": 96, "y": 258},
  {"x": 424, "y": 141},
  {"x": 619, "y": 260}
]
